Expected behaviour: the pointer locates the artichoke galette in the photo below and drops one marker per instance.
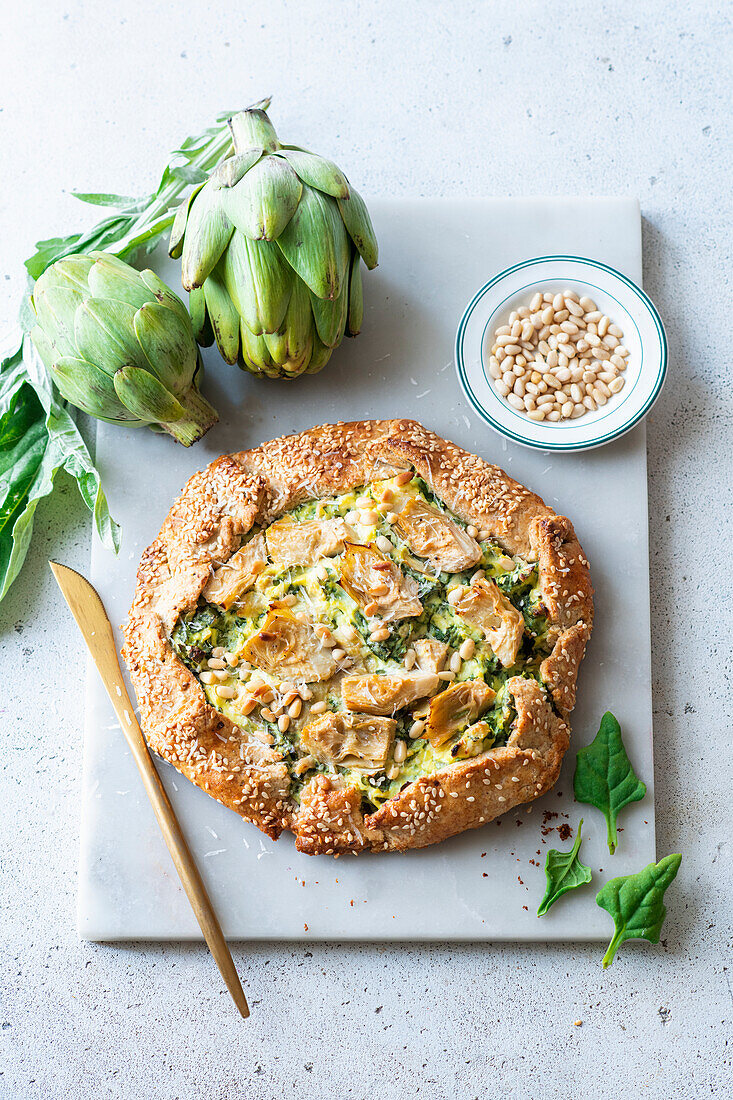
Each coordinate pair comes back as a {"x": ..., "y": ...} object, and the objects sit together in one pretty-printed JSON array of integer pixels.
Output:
[{"x": 362, "y": 634}]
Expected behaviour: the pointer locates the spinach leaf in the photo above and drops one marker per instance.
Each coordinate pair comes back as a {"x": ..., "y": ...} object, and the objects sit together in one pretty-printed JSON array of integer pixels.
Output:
[
  {"x": 604, "y": 776},
  {"x": 636, "y": 903},
  {"x": 564, "y": 872}
]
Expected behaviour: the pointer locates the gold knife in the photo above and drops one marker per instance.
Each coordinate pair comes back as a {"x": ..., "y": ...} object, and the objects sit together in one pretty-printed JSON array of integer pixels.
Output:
[{"x": 88, "y": 610}]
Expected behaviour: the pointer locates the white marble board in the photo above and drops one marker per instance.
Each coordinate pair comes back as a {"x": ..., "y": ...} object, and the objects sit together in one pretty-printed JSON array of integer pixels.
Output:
[{"x": 484, "y": 885}]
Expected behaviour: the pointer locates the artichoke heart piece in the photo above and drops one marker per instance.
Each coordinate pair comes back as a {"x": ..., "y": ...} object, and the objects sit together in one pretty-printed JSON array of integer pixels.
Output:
[
  {"x": 229, "y": 580},
  {"x": 305, "y": 542},
  {"x": 281, "y": 234},
  {"x": 387, "y": 693},
  {"x": 290, "y": 647},
  {"x": 360, "y": 741},
  {"x": 371, "y": 578},
  {"x": 484, "y": 606},
  {"x": 431, "y": 534},
  {"x": 120, "y": 345},
  {"x": 431, "y": 654},
  {"x": 455, "y": 708}
]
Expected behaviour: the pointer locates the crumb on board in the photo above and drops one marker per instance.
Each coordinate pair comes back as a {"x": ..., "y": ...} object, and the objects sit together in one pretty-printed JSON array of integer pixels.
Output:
[{"x": 577, "y": 1023}]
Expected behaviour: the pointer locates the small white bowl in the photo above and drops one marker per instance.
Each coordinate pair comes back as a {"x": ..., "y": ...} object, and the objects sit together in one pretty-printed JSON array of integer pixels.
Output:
[{"x": 618, "y": 297}]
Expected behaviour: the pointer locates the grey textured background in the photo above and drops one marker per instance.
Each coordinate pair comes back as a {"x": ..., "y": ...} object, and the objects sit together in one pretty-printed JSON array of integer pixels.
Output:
[{"x": 418, "y": 99}]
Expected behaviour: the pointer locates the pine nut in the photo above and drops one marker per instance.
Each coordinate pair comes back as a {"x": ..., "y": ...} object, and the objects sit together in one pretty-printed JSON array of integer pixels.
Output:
[
  {"x": 295, "y": 708},
  {"x": 404, "y": 477},
  {"x": 455, "y": 662},
  {"x": 246, "y": 707},
  {"x": 546, "y": 361},
  {"x": 467, "y": 649},
  {"x": 226, "y": 692},
  {"x": 417, "y": 728},
  {"x": 409, "y": 659},
  {"x": 218, "y": 651},
  {"x": 216, "y": 662},
  {"x": 384, "y": 544},
  {"x": 318, "y": 708},
  {"x": 616, "y": 386},
  {"x": 206, "y": 677},
  {"x": 379, "y": 635},
  {"x": 283, "y": 722},
  {"x": 399, "y": 752},
  {"x": 338, "y": 654}
]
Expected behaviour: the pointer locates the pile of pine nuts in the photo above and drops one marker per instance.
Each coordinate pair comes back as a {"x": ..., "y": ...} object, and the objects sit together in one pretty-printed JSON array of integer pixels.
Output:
[{"x": 558, "y": 358}]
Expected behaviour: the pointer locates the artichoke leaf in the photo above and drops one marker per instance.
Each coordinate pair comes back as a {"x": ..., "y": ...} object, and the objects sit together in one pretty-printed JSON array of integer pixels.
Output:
[
  {"x": 70, "y": 273},
  {"x": 291, "y": 346},
  {"x": 264, "y": 200},
  {"x": 315, "y": 244},
  {"x": 43, "y": 346},
  {"x": 109, "y": 278},
  {"x": 256, "y": 354},
  {"x": 89, "y": 389},
  {"x": 146, "y": 397},
  {"x": 356, "y": 297},
  {"x": 178, "y": 229},
  {"x": 56, "y": 308},
  {"x": 330, "y": 317},
  {"x": 207, "y": 234},
  {"x": 234, "y": 168},
  {"x": 165, "y": 295},
  {"x": 202, "y": 330},
  {"x": 223, "y": 315},
  {"x": 252, "y": 127},
  {"x": 317, "y": 172},
  {"x": 105, "y": 335},
  {"x": 319, "y": 356},
  {"x": 259, "y": 282},
  {"x": 360, "y": 228},
  {"x": 168, "y": 345}
]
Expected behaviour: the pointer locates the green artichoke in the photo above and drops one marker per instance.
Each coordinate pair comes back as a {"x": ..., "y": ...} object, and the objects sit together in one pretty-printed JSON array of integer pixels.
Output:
[
  {"x": 272, "y": 245},
  {"x": 120, "y": 346}
]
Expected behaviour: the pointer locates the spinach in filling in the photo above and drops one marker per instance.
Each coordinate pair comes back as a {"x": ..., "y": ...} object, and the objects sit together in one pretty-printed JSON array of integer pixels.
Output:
[{"x": 319, "y": 593}]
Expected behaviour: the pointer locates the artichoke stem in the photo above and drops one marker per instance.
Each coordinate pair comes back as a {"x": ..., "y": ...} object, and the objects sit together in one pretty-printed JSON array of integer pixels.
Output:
[{"x": 198, "y": 417}]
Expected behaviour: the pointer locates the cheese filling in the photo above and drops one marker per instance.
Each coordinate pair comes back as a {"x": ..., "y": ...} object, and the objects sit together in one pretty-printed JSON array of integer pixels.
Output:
[{"x": 342, "y": 613}]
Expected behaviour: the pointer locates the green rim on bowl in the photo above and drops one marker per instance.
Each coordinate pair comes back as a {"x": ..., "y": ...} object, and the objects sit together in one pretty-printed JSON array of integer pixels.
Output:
[{"x": 602, "y": 437}]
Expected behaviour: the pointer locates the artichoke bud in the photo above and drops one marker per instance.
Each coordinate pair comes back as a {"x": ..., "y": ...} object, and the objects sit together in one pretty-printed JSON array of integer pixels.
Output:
[
  {"x": 120, "y": 346},
  {"x": 271, "y": 249}
]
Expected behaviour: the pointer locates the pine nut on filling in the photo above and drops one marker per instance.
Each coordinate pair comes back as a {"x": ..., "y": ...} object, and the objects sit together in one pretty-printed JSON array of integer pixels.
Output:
[{"x": 558, "y": 358}]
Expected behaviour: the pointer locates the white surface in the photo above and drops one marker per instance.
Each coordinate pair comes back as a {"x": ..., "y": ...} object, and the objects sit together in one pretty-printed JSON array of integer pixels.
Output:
[
  {"x": 615, "y": 296},
  {"x": 435, "y": 99},
  {"x": 487, "y": 883}
]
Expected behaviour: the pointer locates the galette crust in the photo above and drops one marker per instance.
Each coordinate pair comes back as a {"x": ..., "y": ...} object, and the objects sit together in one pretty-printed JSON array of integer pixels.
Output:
[{"x": 206, "y": 525}]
